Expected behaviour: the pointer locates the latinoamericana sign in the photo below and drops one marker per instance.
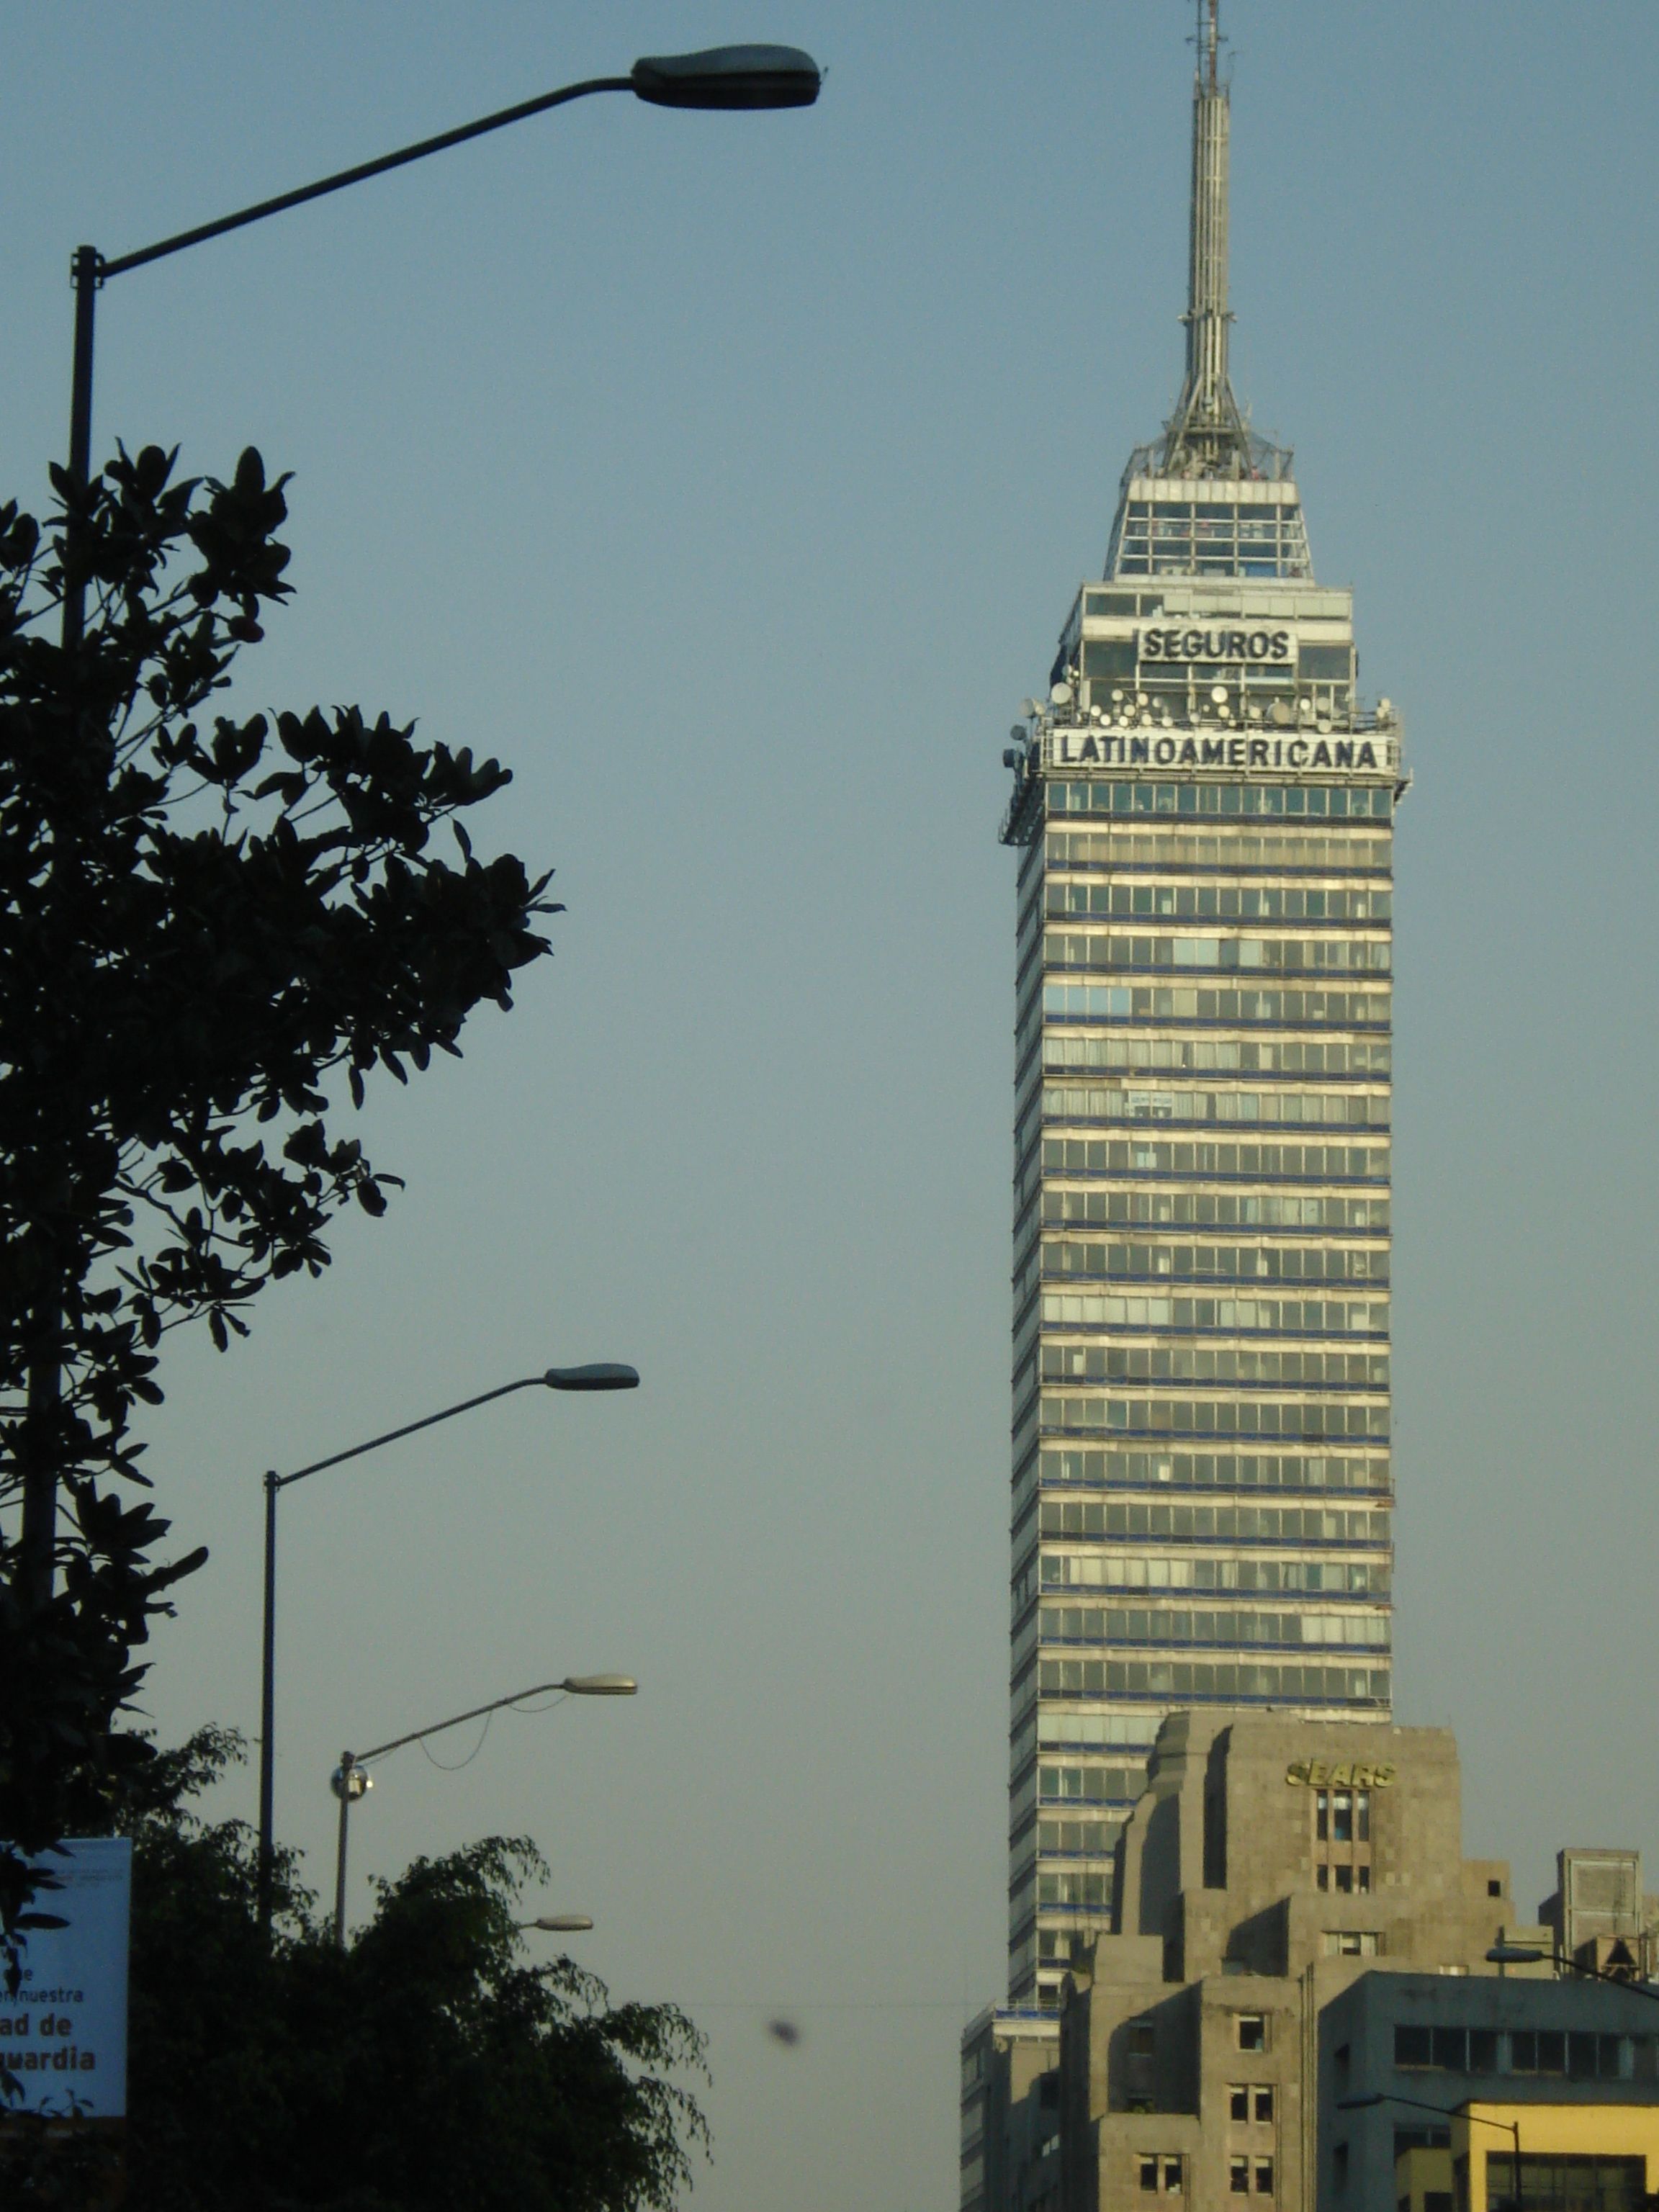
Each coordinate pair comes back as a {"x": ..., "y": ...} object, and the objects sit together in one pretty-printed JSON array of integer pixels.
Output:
[{"x": 1302, "y": 753}]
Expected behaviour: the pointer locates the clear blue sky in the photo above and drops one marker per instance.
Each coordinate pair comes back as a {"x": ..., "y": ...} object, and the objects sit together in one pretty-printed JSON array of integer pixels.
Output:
[{"x": 731, "y": 477}]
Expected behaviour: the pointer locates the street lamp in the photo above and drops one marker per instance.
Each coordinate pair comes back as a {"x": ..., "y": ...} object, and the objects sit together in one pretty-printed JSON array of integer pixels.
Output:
[
  {"x": 1446, "y": 2112},
  {"x": 719, "y": 77},
  {"x": 1504, "y": 1954},
  {"x": 728, "y": 78},
  {"x": 602, "y": 1375},
  {"x": 350, "y": 1781},
  {"x": 558, "y": 1923}
]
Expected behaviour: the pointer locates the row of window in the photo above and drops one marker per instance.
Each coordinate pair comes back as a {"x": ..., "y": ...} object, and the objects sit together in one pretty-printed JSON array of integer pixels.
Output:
[
  {"x": 1220, "y": 1263},
  {"x": 1211, "y": 1209},
  {"x": 1351, "y": 853},
  {"x": 1136, "y": 1363},
  {"x": 1222, "y": 1680},
  {"x": 1137, "y": 1624},
  {"x": 1067, "y": 1727},
  {"x": 1099, "y": 599},
  {"x": 1311, "y": 801},
  {"x": 1090, "y": 1785},
  {"x": 1247, "y": 903},
  {"x": 1135, "y": 1571},
  {"x": 1187, "y": 1002},
  {"x": 1303, "y": 1316},
  {"x": 1069, "y": 1102},
  {"x": 1147, "y": 1156},
  {"x": 1581, "y": 2057},
  {"x": 1110, "y": 949},
  {"x": 1342, "y": 1816},
  {"x": 1066, "y": 1467},
  {"x": 1090, "y": 1892},
  {"x": 1250, "y": 1524},
  {"x": 1078, "y": 1839},
  {"x": 1207, "y": 1417}
]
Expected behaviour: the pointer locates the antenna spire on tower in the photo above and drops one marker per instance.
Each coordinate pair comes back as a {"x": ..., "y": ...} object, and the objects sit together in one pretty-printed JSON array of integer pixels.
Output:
[{"x": 1206, "y": 435}]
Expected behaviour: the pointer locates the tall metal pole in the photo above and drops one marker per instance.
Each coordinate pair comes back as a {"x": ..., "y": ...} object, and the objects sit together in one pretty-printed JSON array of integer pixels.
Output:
[
  {"x": 87, "y": 271},
  {"x": 268, "y": 1711},
  {"x": 347, "y": 1763},
  {"x": 37, "y": 1537},
  {"x": 600, "y": 1374}
]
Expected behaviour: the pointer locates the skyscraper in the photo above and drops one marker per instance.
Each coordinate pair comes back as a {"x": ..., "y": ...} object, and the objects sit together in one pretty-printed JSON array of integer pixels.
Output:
[{"x": 1203, "y": 810}]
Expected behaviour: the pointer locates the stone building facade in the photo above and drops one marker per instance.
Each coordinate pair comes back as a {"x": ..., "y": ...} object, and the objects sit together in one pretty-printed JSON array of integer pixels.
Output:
[{"x": 1270, "y": 1862}]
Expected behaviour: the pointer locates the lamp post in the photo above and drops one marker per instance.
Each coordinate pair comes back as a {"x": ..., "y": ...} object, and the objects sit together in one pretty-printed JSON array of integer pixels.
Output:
[
  {"x": 1446, "y": 2112},
  {"x": 605, "y": 1375},
  {"x": 720, "y": 77},
  {"x": 1504, "y": 1954},
  {"x": 729, "y": 78},
  {"x": 350, "y": 1781}
]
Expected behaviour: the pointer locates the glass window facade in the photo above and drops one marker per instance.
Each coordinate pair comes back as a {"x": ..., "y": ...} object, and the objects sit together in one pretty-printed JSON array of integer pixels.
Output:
[{"x": 1202, "y": 1501}]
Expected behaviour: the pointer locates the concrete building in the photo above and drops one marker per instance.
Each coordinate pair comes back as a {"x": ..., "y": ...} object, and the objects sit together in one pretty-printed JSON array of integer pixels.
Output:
[
  {"x": 1597, "y": 1915},
  {"x": 1295, "y": 2004},
  {"x": 1203, "y": 810},
  {"x": 1270, "y": 1862},
  {"x": 1010, "y": 2111},
  {"x": 1427, "y": 2082}
]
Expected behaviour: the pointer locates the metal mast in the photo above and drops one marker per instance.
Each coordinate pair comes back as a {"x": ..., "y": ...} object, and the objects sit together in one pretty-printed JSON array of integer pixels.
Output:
[{"x": 1206, "y": 437}]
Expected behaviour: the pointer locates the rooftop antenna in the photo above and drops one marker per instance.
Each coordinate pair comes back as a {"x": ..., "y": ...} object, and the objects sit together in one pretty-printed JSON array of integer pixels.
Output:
[{"x": 1207, "y": 435}]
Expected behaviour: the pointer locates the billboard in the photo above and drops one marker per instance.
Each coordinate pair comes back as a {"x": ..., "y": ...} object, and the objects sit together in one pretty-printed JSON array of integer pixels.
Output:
[{"x": 63, "y": 2035}]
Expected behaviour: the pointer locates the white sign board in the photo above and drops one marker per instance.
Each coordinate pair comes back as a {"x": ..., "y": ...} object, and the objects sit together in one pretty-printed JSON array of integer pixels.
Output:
[
  {"x": 1271, "y": 753},
  {"x": 64, "y": 2033}
]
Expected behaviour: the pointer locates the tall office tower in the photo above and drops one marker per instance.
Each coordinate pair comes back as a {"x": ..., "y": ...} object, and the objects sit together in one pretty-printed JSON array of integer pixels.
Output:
[{"x": 1203, "y": 810}]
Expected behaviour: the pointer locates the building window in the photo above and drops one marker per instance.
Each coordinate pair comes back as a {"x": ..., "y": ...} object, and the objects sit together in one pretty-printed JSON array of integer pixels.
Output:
[
  {"x": 1264, "y": 2177},
  {"x": 1345, "y": 1879},
  {"x": 1494, "y": 1888},
  {"x": 1249, "y": 2100},
  {"x": 1141, "y": 2039},
  {"x": 1340, "y": 2166},
  {"x": 1149, "y": 2176},
  {"x": 1252, "y": 2031},
  {"x": 1239, "y": 2176},
  {"x": 1160, "y": 2174},
  {"x": 1353, "y": 1942}
]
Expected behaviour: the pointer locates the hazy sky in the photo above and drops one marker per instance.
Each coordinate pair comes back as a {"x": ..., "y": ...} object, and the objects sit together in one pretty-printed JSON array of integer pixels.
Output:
[{"x": 731, "y": 477}]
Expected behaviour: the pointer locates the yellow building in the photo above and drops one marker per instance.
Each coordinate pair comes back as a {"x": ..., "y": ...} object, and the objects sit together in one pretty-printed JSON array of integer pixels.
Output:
[{"x": 1603, "y": 2157}]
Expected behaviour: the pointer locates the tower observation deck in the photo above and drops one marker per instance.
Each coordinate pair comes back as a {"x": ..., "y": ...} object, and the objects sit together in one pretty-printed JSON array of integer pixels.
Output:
[{"x": 1202, "y": 807}]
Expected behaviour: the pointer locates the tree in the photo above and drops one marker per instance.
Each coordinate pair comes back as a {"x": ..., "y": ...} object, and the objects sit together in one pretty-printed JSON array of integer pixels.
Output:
[
  {"x": 427, "y": 2066},
  {"x": 213, "y": 928}
]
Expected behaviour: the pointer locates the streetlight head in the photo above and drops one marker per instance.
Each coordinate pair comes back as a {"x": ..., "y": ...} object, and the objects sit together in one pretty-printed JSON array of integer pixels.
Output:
[
  {"x": 729, "y": 76},
  {"x": 1515, "y": 1955},
  {"x": 600, "y": 1685},
  {"x": 600, "y": 1374},
  {"x": 561, "y": 1923}
]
